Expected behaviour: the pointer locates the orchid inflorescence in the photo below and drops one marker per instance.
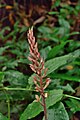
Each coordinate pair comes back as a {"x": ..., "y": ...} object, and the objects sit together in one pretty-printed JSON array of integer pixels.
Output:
[{"x": 38, "y": 67}]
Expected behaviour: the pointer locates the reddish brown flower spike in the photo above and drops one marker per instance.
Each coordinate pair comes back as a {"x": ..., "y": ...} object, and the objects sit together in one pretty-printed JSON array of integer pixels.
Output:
[{"x": 38, "y": 67}]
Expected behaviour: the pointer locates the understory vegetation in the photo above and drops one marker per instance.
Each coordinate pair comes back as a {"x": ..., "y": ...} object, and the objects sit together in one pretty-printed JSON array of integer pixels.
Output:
[{"x": 56, "y": 27}]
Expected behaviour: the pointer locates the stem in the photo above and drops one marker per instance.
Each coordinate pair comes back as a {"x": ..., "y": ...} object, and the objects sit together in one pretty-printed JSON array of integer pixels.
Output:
[
  {"x": 71, "y": 97},
  {"x": 8, "y": 101},
  {"x": 43, "y": 99},
  {"x": 14, "y": 89},
  {"x": 8, "y": 104},
  {"x": 45, "y": 109}
]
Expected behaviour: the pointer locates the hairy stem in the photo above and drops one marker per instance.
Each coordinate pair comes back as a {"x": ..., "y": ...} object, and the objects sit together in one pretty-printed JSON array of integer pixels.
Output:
[
  {"x": 43, "y": 99},
  {"x": 45, "y": 109}
]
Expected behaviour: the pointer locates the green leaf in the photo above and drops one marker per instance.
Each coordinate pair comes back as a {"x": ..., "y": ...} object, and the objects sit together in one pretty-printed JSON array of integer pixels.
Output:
[
  {"x": 65, "y": 27},
  {"x": 65, "y": 77},
  {"x": 2, "y": 59},
  {"x": 35, "y": 108},
  {"x": 74, "y": 33},
  {"x": 3, "y": 31},
  {"x": 57, "y": 62},
  {"x": 73, "y": 104},
  {"x": 3, "y": 49},
  {"x": 64, "y": 23},
  {"x": 44, "y": 29},
  {"x": 1, "y": 76},
  {"x": 23, "y": 29},
  {"x": 57, "y": 112},
  {"x": 67, "y": 88},
  {"x": 2, "y": 117},
  {"x": 55, "y": 50},
  {"x": 15, "y": 78},
  {"x": 53, "y": 13},
  {"x": 44, "y": 52},
  {"x": 56, "y": 3},
  {"x": 11, "y": 63}
]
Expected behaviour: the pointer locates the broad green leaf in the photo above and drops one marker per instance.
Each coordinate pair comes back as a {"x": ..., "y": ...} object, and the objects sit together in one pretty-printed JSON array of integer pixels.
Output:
[
  {"x": 15, "y": 78},
  {"x": 11, "y": 64},
  {"x": 65, "y": 77},
  {"x": 57, "y": 62},
  {"x": 2, "y": 117},
  {"x": 64, "y": 23},
  {"x": 30, "y": 80},
  {"x": 57, "y": 112},
  {"x": 45, "y": 51},
  {"x": 35, "y": 108},
  {"x": 73, "y": 104},
  {"x": 65, "y": 27},
  {"x": 55, "y": 50},
  {"x": 16, "y": 95},
  {"x": 4, "y": 109}
]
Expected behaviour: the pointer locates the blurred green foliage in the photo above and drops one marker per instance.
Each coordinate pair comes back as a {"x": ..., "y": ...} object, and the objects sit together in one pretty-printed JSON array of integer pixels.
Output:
[{"x": 59, "y": 45}]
